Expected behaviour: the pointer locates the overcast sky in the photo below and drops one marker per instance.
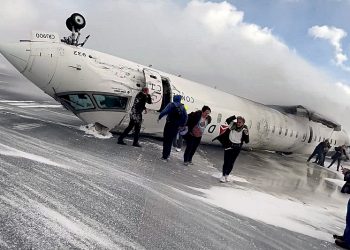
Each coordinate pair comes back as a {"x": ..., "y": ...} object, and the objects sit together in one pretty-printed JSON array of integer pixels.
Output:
[{"x": 285, "y": 52}]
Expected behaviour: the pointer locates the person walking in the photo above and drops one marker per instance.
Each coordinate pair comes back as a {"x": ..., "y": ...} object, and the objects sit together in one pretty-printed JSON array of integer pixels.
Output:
[
  {"x": 176, "y": 118},
  {"x": 197, "y": 122},
  {"x": 339, "y": 153},
  {"x": 137, "y": 108},
  {"x": 232, "y": 139}
]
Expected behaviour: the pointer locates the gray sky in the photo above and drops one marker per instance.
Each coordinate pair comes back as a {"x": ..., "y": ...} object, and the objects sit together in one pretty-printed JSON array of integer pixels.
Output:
[{"x": 208, "y": 42}]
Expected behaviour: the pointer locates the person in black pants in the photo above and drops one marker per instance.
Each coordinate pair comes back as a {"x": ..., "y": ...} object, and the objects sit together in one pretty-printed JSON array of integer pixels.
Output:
[
  {"x": 176, "y": 117},
  {"x": 318, "y": 151},
  {"x": 232, "y": 140},
  {"x": 138, "y": 107},
  {"x": 339, "y": 152},
  {"x": 344, "y": 240},
  {"x": 197, "y": 122}
]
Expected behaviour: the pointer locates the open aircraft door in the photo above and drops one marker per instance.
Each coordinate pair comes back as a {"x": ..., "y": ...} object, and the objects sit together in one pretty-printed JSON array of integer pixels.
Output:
[{"x": 154, "y": 83}]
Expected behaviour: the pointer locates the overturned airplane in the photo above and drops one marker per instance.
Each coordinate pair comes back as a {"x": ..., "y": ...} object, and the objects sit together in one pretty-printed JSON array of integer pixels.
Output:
[{"x": 100, "y": 88}]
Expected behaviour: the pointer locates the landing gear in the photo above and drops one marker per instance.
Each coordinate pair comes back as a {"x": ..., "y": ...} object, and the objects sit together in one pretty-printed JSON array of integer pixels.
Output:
[{"x": 75, "y": 23}]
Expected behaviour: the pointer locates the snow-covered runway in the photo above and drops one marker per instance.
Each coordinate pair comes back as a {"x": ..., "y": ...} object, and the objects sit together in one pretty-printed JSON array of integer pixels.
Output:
[{"x": 63, "y": 188}]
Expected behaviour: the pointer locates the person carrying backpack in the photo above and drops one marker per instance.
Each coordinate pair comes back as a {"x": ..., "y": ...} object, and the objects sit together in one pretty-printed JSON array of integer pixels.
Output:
[{"x": 176, "y": 118}]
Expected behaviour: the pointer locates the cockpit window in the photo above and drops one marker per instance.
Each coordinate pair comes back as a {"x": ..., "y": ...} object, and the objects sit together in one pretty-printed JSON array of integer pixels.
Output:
[
  {"x": 111, "y": 102},
  {"x": 78, "y": 101}
]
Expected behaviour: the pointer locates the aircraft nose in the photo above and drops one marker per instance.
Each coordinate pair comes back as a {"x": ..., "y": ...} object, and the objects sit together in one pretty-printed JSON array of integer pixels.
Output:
[{"x": 17, "y": 54}]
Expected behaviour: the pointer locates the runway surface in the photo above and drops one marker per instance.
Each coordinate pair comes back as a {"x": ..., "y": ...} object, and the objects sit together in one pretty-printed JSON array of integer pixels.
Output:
[{"x": 61, "y": 188}]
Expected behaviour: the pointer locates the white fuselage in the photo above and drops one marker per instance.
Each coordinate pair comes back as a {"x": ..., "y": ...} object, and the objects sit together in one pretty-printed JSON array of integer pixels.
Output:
[{"x": 101, "y": 88}]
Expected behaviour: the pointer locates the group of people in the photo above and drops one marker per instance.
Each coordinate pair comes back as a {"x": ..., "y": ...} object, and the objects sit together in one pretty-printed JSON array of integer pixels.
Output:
[
  {"x": 190, "y": 127},
  {"x": 321, "y": 151}
]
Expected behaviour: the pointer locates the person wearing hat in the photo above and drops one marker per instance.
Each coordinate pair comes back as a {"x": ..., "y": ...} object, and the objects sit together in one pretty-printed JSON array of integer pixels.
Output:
[
  {"x": 138, "y": 107},
  {"x": 176, "y": 118},
  {"x": 232, "y": 140},
  {"x": 196, "y": 123},
  {"x": 178, "y": 140}
]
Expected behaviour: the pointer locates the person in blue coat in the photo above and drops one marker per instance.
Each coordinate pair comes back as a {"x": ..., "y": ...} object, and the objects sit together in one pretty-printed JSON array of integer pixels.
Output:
[{"x": 176, "y": 118}]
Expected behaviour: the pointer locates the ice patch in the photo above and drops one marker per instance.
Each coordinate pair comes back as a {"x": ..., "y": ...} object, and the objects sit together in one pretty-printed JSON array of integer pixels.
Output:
[
  {"x": 91, "y": 130},
  {"x": 9, "y": 151},
  {"x": 290, "y": 214}
]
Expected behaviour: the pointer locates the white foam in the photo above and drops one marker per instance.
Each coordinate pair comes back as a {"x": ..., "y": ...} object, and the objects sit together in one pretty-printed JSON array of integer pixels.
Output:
[
  {"x": 91, "y": 130},
  {"x": 335, "y": 181},
  {"x": 291, "y": 214}
]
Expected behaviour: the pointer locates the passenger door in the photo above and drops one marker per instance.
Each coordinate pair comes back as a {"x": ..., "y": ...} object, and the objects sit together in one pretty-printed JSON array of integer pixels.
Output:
[{"x": 154, "y": 83}]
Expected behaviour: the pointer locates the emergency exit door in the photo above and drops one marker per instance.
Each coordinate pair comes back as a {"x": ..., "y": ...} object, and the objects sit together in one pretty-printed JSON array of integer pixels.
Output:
[{"x": 155, "y": 86}]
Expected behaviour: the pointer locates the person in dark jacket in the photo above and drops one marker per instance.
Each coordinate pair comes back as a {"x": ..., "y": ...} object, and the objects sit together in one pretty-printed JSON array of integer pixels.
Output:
[
  {"x": 138, "y": 107},
  {"x": 346, "y": 187},
  {"x": 176, "y": 118},
  {"x": 344, "y": 240},
  {"x": 321, "y": 158},
  {"x": 339, "y": 153},
  {"x": 232, "y": 140},
  {"x": 196, "y": 123},
  {"x": 318, "y": 151}
]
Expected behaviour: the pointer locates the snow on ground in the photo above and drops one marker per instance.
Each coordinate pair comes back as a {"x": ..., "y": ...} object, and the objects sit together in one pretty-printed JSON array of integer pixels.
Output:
[{"x": 9, "y": 151}]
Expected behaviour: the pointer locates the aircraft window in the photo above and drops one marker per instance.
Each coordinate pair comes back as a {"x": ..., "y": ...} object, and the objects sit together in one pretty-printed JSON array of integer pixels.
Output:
[
  {"x": 335, "y": 142},
  {"x": 291, "y": 134},
  {"x": 111, "y": 102},
  {"x": 280, "y": 131},
  {"x": 286, "y": 133},
  {"x": 258, "y": 126},
  {"x": 315, "y": 138},
  {"x": 331, "y": 141},
  {"x": 319, "y": 140},
  {"x": 78, "y": 101},
  {"x": 273, "y": 129},
  {"x": 152, "y": 76},
  {"x": 219, "y": 118},
  {"x": 297, "y": 135}
]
